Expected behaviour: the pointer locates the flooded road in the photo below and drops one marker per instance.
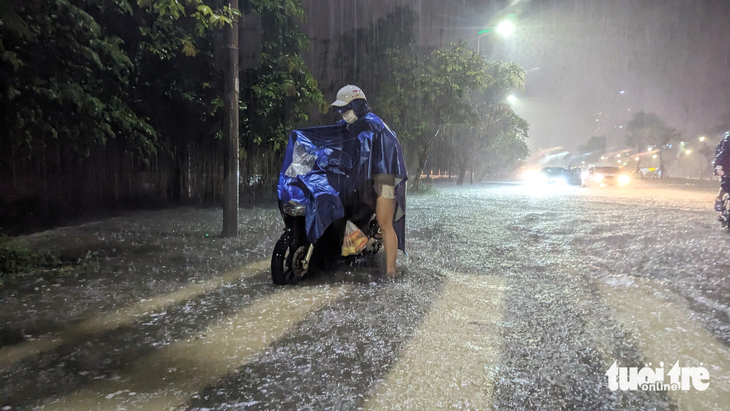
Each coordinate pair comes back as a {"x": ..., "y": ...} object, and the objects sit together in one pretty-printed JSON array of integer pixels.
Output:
[{"x": 512, "y": 297}]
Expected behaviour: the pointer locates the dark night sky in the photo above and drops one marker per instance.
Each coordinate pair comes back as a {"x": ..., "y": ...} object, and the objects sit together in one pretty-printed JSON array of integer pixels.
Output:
[{"x": 669, "y": 56}]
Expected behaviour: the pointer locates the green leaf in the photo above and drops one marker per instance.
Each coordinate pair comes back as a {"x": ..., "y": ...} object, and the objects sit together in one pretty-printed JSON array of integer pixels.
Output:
[
  {"x": 189, "y": 48},
  {"x": 205, "y": 10}
]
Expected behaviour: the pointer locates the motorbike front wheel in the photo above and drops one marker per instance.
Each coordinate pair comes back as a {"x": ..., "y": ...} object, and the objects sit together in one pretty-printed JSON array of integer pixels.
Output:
[{"x": 282, "y": 269}]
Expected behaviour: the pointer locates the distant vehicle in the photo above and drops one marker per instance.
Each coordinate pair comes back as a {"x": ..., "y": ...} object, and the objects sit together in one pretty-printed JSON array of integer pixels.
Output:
[
  {"x": 560, "y": 175},
  {"x": 574, "y": 175},
  {"x": 608, "y": 175}
]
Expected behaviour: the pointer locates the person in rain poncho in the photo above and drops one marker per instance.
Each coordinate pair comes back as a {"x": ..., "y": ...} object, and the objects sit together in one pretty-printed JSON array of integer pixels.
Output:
[
  {"x": 722, "y": 169},
  {"x": 387, "y": 169}
]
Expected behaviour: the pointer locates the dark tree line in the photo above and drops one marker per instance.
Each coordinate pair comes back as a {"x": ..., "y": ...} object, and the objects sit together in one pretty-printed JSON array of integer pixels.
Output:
[
  {"x": 108, "y": 104},
  {"x": 116, "y": 103}
]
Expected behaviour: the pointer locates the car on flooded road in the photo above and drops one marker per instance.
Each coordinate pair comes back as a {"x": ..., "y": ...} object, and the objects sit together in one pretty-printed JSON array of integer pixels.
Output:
[
  {"x": 605, "y": 175},
  {"x": 553, "y": 175},
  {"x": 560, "y": 175}
]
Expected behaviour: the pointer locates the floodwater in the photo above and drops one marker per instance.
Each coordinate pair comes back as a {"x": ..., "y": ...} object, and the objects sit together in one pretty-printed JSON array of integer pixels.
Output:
[{"x": 512, "y": 296}]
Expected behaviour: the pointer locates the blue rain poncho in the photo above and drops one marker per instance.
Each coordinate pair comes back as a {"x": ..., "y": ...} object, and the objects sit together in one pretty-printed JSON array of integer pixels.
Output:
[
  {"x": 330, "y": 169},
  {"x": 722, "y": 153}
]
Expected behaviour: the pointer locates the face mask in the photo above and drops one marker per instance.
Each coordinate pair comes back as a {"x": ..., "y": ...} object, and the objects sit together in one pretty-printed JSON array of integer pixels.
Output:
[{"x": 349, "y": 116}]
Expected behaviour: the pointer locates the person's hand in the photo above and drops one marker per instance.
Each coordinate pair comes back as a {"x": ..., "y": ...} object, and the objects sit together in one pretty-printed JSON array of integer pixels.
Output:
[{"x": 718, "y": 171}]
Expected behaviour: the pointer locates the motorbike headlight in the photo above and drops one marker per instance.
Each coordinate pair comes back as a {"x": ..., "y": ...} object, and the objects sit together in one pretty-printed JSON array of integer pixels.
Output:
[
  {"x": 293, "y": 209},
  {"x": 624, "y": 179},
  {"x": 598, "y": 177}
]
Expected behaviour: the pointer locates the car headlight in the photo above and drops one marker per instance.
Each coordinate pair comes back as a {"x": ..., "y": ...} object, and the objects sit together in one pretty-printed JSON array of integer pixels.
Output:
[
  {"x": 624, "y": 179},
  {"x": 598, "y": 177},
  {"x": 534, "y": 177}
]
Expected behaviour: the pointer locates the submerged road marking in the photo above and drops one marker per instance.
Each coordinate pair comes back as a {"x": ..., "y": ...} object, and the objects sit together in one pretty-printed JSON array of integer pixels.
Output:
[
  {"x": 664, "y": 330},
  {"x": 110, "y": 321},
  {"x": 452, "y": 360},
  {"x": 169, "y": 377}
]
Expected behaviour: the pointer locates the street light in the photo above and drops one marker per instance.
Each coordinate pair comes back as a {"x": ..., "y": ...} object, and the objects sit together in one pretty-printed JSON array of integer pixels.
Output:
[
  {"x": 702, "y": 139},
  {"x": 505, "y": 29}
]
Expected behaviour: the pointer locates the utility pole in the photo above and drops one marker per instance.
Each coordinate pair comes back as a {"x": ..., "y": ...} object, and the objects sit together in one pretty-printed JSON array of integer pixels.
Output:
[{"x": 230, "y": 109}]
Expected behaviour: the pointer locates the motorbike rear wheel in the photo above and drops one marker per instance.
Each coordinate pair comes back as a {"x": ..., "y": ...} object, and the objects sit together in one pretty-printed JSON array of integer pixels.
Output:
[{"x": 282, "y": 269}]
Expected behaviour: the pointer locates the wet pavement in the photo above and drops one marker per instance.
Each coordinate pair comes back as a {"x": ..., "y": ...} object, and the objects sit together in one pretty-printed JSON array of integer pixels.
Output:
[{"x": 512, "y": 297}]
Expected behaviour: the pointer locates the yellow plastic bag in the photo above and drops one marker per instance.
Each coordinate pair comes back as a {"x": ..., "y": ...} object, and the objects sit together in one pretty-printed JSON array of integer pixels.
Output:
[{"x": 355, "y": 240}]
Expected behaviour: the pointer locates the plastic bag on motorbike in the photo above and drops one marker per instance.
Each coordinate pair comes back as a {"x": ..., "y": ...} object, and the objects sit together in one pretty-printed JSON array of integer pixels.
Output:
[
  {"x": 302, "y": 161},
  {"x": 355, "y": 240}
]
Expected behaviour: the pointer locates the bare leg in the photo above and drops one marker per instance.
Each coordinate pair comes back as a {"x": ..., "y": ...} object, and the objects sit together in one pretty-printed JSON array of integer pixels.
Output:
[{"x": 384, "y": 212}]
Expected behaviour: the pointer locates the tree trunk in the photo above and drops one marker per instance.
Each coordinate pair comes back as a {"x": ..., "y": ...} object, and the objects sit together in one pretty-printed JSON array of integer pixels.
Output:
[
  {"x": 471, "y": 174},
  {"x": 100, "y": 178},
  {"x": 462, "y": 172},
  {"x": 465, "y": 164},
  {"x": 46, "y": 200},
  {"x": 13, "y": 166},
  {"x": 662, "y": 172},
  {"x": 61, "y": 178},
  {"x": 422, "y": 160},
  {"x": 702, "y": 171},
  {"x": 421, "y": 166}
]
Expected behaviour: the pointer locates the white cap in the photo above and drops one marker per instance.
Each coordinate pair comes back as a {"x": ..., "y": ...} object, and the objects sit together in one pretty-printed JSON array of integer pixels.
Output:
[{"x": 347, "y": 94}]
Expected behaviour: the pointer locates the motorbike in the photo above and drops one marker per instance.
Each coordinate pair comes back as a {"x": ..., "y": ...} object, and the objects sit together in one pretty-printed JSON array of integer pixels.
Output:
[
  {"x": 326, "y": 196},
  {"x": 295, "y": 256}
]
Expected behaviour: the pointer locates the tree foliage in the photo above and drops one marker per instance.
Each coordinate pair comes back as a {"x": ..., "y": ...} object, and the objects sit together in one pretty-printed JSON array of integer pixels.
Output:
[
  {"x": 424, "y": 94},
  {"x": 360, "y": 52},
  {"x": 505, "y": 152},
  {"x": 595, "y": 145},
  {"x": 68, "y": 82},
  {"x": 84, "y": 72},
  {"x": 430, "y": 91},
  {"x": 495, "y": 118},
  {"x": 449, "y": 78},
  {"x": 280, "y": 90},
  {"x": 107, "y": 103},
  {"x": 452, "y": 91},
  {"x": 722, "y": 126},
  {"x": 649, "y": 130}
]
